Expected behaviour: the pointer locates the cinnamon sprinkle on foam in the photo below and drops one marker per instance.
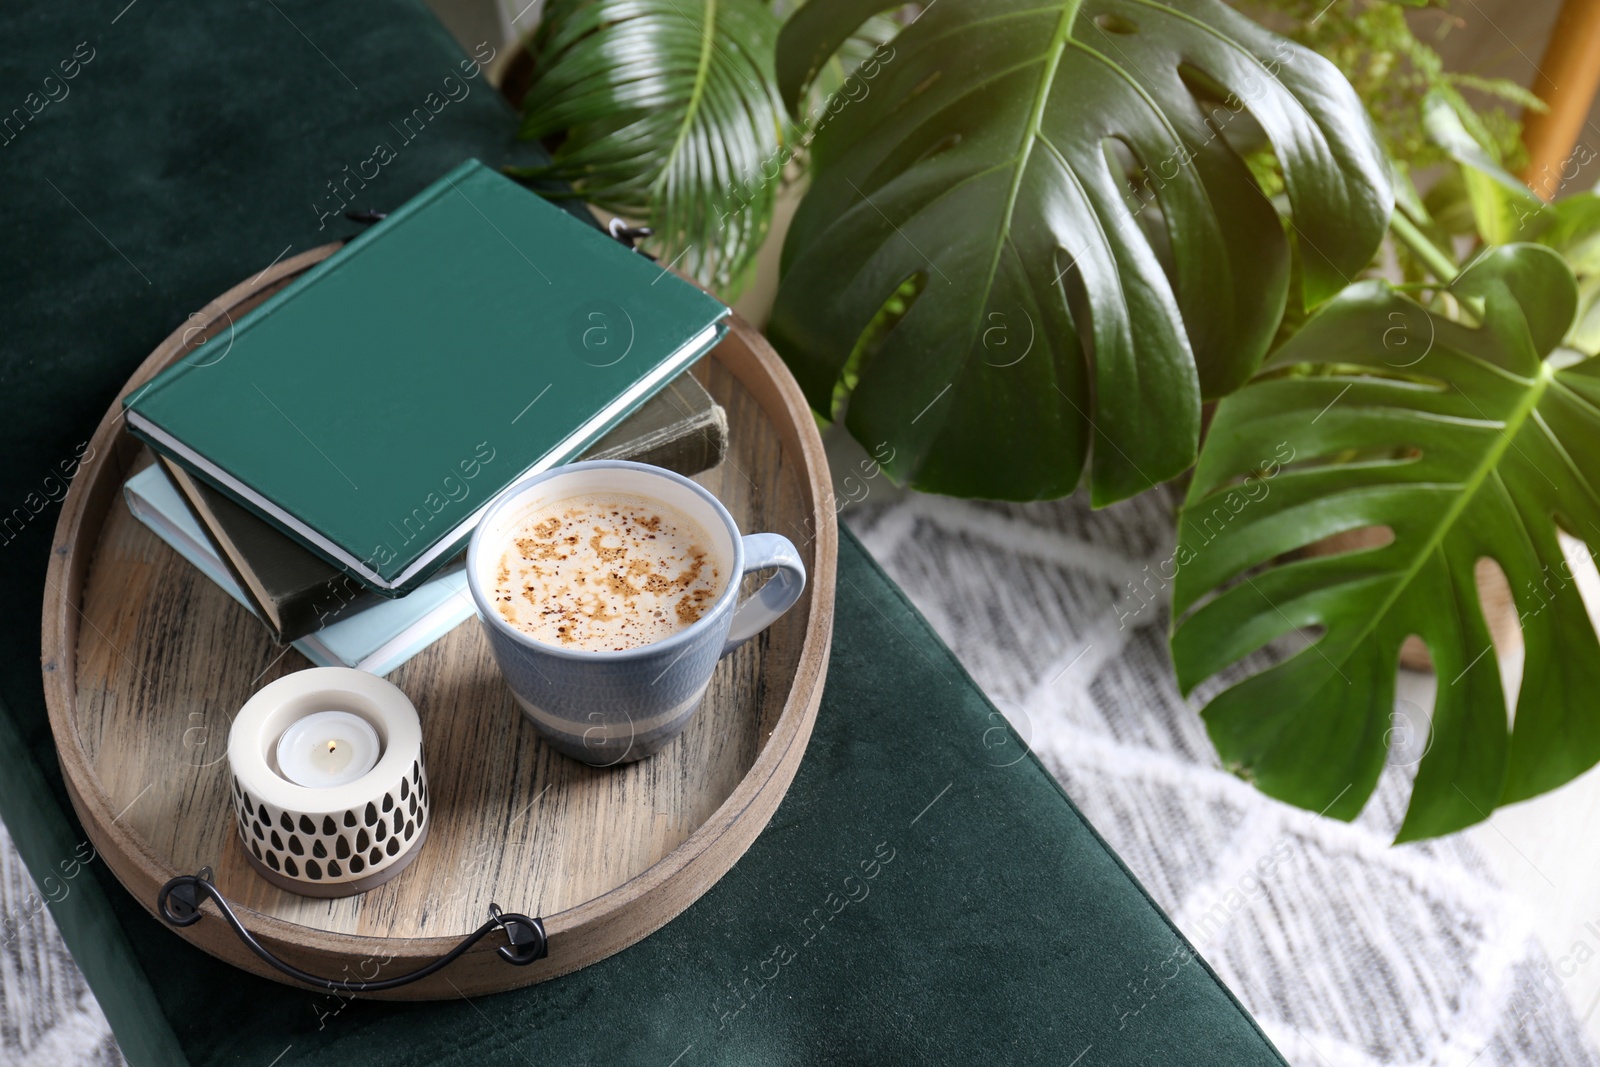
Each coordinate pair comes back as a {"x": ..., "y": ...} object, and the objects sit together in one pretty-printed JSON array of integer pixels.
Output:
[{"x": 605, "y": 573}]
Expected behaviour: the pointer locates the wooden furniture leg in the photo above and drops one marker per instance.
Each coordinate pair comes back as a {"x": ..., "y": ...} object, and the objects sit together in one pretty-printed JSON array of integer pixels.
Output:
[{"x": 1566, "y": 81}]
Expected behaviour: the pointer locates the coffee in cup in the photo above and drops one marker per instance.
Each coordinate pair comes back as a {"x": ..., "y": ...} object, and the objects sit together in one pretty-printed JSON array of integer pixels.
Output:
[
  {"x": 605, "y": 573},
  {"x": 622, "y": 680}
]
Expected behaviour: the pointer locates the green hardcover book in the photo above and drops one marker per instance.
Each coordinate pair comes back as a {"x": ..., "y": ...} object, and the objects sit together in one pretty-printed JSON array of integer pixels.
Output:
[{"x": 373, "y": 409}]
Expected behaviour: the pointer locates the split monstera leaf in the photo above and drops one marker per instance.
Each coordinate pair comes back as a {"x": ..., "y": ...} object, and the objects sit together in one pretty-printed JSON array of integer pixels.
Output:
[
  {"x": 1468, "y": 441},
  {"x": 1056, "y": 316}
]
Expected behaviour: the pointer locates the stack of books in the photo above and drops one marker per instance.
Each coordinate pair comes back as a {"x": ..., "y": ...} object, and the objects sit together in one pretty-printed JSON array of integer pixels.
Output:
[{"x": 328, "y": 470}]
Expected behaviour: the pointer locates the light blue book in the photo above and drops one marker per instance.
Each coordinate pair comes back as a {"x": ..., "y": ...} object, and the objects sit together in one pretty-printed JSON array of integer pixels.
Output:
[{"x": 376, "y": 639}]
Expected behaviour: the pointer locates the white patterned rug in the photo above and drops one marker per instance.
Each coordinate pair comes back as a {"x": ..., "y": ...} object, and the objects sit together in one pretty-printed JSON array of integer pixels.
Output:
[
  {"x": 48, "y": 1017},
  {"x": 1350, "y": 952}
]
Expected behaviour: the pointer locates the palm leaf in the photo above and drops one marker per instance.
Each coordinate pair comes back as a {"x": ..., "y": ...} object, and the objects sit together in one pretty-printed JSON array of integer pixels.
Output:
[
  {"x": 670, "y": 115},
  {"x": 989, "y": 161},
  {"x": 1467, "y": 442}
]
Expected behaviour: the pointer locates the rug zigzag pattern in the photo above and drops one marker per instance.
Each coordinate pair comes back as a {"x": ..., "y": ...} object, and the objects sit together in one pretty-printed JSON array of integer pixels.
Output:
[{"x": 1350, "y": 952}]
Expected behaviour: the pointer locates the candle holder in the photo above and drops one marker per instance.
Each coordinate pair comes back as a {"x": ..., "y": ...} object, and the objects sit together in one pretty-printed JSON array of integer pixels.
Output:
[{"x": 339, "y": 839}]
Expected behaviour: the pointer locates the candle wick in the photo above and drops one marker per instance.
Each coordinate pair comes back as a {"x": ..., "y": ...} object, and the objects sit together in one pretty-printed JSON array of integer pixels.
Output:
[{"x": 332, "y": 746}]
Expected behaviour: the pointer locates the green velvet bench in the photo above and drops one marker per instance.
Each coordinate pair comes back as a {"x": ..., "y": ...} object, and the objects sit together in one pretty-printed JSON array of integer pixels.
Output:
[{"x": 189, "y": 147}]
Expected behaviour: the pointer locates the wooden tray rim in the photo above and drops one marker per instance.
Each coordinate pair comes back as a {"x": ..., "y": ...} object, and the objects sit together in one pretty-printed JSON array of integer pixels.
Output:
[{"x": 68, "y": 570}]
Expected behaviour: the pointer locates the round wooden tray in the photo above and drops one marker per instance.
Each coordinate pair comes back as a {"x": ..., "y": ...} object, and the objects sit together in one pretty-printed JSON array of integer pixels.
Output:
[{"x": 146, "y": 662}]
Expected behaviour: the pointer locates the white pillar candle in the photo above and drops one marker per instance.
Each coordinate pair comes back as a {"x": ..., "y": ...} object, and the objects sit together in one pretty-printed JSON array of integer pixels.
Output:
[{"x": 328, "y": 748}]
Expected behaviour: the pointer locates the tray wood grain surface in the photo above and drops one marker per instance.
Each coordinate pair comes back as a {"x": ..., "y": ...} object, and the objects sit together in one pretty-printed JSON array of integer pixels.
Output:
[{"x": 146, "y": 662}]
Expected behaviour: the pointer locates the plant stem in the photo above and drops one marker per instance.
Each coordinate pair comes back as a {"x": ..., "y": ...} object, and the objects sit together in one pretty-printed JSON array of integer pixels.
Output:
[{"x": 1432, "y": 257}]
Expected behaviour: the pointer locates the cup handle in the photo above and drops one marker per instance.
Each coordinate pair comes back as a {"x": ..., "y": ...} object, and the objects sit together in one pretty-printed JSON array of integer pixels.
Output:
[{"x": 764, "y": 551}]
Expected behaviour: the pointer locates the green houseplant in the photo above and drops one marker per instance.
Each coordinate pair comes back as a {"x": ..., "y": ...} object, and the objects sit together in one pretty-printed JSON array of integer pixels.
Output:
[{"x": 1039, "y": 240}]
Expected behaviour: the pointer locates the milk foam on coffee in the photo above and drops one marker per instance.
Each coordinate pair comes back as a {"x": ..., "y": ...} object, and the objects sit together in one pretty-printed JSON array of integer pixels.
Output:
[{"x": 605, "y": 572}]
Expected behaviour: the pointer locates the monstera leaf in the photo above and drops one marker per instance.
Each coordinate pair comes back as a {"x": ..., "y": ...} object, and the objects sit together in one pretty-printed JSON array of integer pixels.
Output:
[
  {"x": 1571, "y": 226},
  {"x": 1468, "y": 442},
  {"x": 671, "y": 114},
  {"x": 1089, "y": 254}
]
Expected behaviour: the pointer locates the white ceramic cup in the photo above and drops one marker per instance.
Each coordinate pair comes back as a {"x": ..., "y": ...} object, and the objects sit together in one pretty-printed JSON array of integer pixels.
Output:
[{"x": 606, "y": 707}]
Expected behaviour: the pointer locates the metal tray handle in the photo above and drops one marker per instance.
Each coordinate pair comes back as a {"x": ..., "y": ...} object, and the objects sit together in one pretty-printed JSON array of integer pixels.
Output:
[{"x": 180, "y": 899}]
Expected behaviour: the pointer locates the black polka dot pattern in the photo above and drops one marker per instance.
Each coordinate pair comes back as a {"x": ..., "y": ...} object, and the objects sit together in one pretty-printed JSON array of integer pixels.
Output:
[{"x": 334, "y": 846}]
